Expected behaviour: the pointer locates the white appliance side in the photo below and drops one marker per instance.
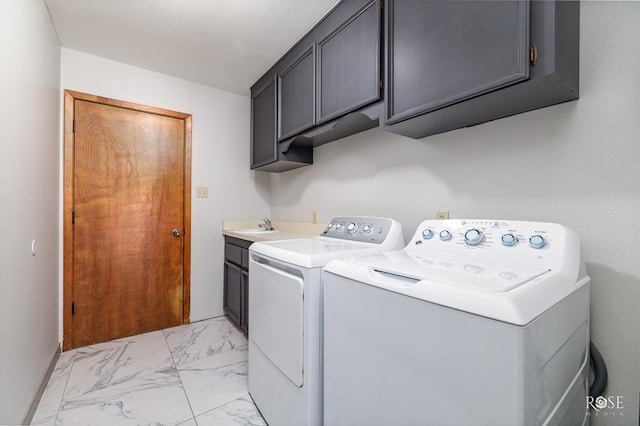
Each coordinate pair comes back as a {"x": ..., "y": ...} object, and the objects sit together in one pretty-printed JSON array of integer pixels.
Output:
[
  {"x": 408, "y": 361},
  {"x": 278, "y": 398}
]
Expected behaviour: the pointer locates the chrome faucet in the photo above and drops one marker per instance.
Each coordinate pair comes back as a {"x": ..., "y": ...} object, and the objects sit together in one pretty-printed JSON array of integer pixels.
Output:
[{"x": 266, "y": 225}]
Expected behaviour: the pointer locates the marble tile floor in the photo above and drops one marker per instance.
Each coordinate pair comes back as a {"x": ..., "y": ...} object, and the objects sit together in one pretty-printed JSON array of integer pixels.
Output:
[{"x": 189, "y": 375}]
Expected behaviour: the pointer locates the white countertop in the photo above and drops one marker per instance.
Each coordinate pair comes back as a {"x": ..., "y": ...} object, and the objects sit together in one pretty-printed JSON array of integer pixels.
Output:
[{"x": 248, "y": 230}]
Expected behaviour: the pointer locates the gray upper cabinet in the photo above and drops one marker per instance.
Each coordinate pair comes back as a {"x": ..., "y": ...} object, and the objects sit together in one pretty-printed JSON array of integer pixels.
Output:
[
  {"x": 296, "y": 85},
  {"x": 442, "y": 52},
  {"x": 443, "y": 65},
  {"x": 263, "y": 124},
  {"x": 454, "y": 64},
  {"x": 323, "y": 89},
  {"x": 349, "y": 64},
  {"x": 266, "y": 153}
]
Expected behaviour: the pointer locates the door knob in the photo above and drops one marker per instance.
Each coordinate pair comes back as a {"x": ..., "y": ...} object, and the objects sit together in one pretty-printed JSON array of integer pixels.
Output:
[{"x": 176, "y": 232}]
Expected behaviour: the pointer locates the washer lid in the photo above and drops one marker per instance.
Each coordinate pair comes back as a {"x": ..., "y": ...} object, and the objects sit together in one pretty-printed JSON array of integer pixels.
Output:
[
  {"x": 459, "y": 271},
  {"x": 312, "y": 252},
  {"x": 517, "y": 300}
]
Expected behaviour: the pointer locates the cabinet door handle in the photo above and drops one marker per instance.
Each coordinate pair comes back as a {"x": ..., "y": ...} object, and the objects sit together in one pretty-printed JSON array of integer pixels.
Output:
[
  {"x": 533, "y": 55},
  {"x": 176, "y": 232}
]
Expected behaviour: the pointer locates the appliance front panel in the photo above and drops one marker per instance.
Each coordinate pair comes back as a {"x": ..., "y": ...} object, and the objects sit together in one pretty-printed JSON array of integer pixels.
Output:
[{"x": 276, "y": 320}]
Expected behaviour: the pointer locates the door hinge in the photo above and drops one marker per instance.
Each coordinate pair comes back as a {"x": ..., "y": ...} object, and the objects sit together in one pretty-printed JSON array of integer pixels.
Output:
[
  {"x": 382, "y": 4},
  {"x": 74, "y": 126},
  {"x": 73, "y": 308},
  {"x": 73, "y": 218},
  {"x": 382, "y": 84}
]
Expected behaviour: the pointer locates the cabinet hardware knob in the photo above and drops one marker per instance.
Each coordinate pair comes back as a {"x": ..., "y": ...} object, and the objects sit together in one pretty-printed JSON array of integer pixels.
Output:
[{"x": 533, "y": 55}]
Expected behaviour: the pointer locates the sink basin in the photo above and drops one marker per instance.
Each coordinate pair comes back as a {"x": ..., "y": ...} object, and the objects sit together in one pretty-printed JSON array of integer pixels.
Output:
[{"x": 255, "y": 231}]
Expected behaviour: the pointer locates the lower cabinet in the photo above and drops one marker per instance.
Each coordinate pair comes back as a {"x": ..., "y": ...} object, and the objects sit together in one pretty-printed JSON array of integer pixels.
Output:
[
  {"x": 236, "y": 279},
  {"x": 244, "y": 301}
]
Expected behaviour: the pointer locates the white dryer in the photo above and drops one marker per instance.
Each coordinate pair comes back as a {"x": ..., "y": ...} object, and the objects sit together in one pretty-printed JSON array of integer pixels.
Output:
[
  {"x": 285, "y": 313},
  {"x": 475, "y": 322}
]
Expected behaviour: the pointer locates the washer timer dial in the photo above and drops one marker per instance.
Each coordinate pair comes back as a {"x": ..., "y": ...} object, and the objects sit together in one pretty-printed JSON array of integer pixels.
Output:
[{"x": 473, "y": 237}]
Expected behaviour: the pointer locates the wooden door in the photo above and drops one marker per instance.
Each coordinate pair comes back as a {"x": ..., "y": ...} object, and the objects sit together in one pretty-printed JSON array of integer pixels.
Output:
[{"x": 127, "y": 195}]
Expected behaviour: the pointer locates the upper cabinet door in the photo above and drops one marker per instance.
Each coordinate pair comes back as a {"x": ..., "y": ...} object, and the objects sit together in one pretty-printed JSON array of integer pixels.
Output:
[
  {"x": 296, "y": 98},
  {"x": 264, "y": 147},
  {"x": 349, "y": 64},
  {"x": 443, "y": 52}
]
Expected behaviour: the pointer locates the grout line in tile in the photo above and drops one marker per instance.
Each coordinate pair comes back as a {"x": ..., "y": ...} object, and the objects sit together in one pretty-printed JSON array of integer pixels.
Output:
[
  {"x": 66, "y": 383},
  {"x": 173, "y": 362}
]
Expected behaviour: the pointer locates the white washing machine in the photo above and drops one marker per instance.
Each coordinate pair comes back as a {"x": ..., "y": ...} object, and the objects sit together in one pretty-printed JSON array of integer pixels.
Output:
[
  {"x": 285, "y": 313},
  {"x": 475, "y": 322}
]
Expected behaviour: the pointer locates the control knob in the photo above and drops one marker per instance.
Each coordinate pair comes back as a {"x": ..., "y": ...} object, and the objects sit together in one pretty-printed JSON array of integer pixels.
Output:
[
  {"x": 509, "y": 240},
  {"x": 339, "y": 227},
  {"x": 473, "y": 237},
  {"x": 366, "y": 229},
  {"x": 537, "y": 241},
  {"x": 351, "y": 227},
  {"x": 445, "y": 235},
  {"x": 427, "y": 233}
]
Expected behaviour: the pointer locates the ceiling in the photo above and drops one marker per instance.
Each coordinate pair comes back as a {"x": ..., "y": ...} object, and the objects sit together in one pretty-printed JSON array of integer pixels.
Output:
[{"x": 227, "y": 44}]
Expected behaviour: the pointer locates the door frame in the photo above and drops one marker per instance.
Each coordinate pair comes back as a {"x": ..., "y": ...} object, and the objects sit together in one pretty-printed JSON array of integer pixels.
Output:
[{"x": 70, "y": 97}]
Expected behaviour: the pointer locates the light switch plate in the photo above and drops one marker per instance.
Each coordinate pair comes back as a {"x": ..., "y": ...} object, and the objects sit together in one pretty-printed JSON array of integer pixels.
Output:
[{"x": 202, "y": 191}]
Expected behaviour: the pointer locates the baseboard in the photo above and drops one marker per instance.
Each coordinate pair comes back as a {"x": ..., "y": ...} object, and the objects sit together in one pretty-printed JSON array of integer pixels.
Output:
[{"x": 38, "y": 396}]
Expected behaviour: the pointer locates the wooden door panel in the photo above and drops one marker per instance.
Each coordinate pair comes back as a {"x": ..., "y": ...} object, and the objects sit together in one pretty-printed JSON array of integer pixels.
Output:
[{"x": 128, "y": 196}]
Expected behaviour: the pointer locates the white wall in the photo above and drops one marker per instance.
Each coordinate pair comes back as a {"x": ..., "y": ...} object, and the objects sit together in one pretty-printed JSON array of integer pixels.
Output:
[
  {"x": 220, "y": 157},
  {"x": 577, "y": 164},
  {"x": 29, "y": 105}
]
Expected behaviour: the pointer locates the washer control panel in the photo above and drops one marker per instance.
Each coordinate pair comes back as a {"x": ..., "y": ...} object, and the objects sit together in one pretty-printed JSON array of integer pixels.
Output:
[
  {"x": 499, "y": 254},
  {"x": 358, "y": 228},
  {"x": 483, "y": 234}
]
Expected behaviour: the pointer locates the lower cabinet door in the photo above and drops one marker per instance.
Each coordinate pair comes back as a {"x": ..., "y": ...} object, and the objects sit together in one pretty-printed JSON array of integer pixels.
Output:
[
  {"x": 244, "y": 292},
  {"x": 233, "y": 291}
]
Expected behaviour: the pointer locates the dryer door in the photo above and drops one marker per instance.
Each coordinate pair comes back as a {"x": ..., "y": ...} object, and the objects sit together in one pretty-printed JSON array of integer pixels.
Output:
[{"x": 276, "y": 315}]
